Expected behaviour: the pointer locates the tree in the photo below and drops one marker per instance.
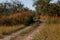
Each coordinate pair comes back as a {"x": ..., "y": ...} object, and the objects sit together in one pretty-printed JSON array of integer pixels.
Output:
[
  {"x": 41, "y": 5},
  {"x": 53, "y": 10},
  {"x": 45, "y": 7},
  {"x": 17, "y": 6},
  {"x": 11, "y": 7}
]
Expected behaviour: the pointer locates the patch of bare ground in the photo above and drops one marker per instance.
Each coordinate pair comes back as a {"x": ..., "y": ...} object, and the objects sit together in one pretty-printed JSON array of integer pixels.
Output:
[
  {"x": 28, "y": 36},
  {"x": 13, "y": 35},
  {"x": 31, "y": 34}
]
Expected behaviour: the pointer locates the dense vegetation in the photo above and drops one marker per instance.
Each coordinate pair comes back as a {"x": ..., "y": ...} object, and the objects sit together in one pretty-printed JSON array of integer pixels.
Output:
[
  {"x": 45, "y": 7},
  {"x": 12, "y": 13},
  {"x": 50, "y": 31},
  {"x": 51, "y": 17},
  {"x": 14, "y": 16}
]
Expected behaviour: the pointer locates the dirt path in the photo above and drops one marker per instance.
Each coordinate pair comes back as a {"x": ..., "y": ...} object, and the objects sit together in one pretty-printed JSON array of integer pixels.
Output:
[
  {"x": 17, "y": 36},
  {"x": 13, "y": 35},
  {"x": 31, "y": 34},
  {"x": 29, "y": 37}
]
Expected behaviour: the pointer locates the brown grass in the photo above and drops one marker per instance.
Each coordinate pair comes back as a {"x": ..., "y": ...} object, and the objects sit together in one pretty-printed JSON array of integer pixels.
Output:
[
  {"x": 5, "y": 30},
  {"x": 51, "y": 31},
  {"x": 16, "y": 18}
]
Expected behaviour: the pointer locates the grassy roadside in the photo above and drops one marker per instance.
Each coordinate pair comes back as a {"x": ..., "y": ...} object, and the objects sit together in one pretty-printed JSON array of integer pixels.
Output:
[
  {"x": 4, "y": 30},
  {"x": 51, "y": 30}
]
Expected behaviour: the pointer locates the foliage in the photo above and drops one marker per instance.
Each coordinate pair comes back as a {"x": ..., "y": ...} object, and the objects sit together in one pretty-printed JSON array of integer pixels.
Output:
[
  {"x": 44, "y": 7},
  {"x": 8, "y": 8},
  {"x": 17, "y": 18},
  {"x": 15, "y": 13}
]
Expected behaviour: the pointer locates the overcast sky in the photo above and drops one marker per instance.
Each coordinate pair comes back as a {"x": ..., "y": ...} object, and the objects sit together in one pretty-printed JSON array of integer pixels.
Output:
[{"x": 29, "y": 3}]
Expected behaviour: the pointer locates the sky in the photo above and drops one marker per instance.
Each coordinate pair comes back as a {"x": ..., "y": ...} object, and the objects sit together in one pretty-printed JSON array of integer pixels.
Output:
[
  {"x": 54, "y": 1},
  {"x": 29, "y": 3}
]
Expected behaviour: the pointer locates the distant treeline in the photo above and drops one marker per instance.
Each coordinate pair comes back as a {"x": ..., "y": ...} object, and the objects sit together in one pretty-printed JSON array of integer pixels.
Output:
[
  {"x": 15, "y": 13},
  {"x": 45, "y": 7},
  {"x": 7, "y": 8}
]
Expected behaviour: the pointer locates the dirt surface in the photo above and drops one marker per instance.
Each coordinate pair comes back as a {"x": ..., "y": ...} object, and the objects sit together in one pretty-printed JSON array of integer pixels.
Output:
[
  {"x": 13, "y": 35},
  {"x": 29, "y": 36}
]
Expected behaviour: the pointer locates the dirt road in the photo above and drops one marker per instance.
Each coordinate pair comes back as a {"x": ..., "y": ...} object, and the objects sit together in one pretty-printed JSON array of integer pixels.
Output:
[
  {"x": 13, "y": 35},
  {"x": 29, "y": 36}
]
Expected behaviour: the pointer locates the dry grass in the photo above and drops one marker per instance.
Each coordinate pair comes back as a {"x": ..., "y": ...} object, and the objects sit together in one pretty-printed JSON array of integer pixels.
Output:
[
  {"x": 45, "y": 18},
  {"x": 16, "y": 18},
  {"x": 4, "y": 30},
  {"x": 51, "y": 30},
  {"x": 13, "y": 38}
]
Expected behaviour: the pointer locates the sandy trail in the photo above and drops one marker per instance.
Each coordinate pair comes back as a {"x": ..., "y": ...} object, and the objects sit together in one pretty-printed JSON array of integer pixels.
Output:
[
  {"x": 8, "y": 37},
  {"x": 31, "y": 34}
]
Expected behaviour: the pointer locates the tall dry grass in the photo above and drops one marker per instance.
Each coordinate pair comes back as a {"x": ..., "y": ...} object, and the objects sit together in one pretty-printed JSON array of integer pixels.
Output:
[
  {"x": 51, "y": 30},
  {"x": 6, "y": 30},
  {"x": 17, "y": 18}
]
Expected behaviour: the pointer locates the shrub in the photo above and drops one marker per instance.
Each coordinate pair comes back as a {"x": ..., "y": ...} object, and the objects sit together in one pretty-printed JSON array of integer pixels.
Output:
[{"x": 25, "y": 17}]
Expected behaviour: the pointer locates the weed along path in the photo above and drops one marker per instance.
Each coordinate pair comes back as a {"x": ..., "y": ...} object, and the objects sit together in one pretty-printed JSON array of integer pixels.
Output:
[{"x": 25, "y": 34}]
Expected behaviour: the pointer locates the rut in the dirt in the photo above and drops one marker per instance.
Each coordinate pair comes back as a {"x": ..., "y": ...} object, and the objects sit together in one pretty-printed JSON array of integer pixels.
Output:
[
  {"x": 31, "y": 34},
  {"x": 28, "y": 36}
]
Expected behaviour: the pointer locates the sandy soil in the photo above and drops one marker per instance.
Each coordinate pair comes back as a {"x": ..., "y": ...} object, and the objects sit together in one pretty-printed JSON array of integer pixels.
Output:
[{"x": 29, "y": 36}]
